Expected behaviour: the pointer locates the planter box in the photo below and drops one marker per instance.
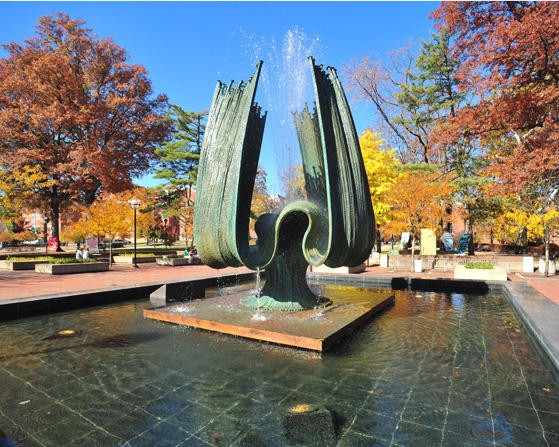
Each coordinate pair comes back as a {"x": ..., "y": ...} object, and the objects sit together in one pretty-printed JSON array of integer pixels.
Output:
[
  {"x": 174, "y": 261},
  {"x": 77, "y": 267},
  {"x": 20, "y": 265},
  {"x": 130, "y": 259},
  {"x": 355, "y": 269},
  {"x": 497, "y": 273}
]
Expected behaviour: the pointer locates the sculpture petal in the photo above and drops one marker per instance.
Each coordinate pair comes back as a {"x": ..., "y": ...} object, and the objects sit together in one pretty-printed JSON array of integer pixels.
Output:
[{"x": 226, "y": 173}]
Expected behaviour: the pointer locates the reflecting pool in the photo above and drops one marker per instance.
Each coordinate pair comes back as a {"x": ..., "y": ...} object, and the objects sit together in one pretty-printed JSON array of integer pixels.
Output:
[{"x": 435, "y": 369}]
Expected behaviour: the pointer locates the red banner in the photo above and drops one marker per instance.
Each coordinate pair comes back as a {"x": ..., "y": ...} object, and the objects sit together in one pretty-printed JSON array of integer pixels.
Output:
[{"x": 52, "y": 245}]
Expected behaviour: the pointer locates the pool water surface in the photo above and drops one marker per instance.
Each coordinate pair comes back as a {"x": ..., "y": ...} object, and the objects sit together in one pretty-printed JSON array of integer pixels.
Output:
[{"x": 435, "y": 369}]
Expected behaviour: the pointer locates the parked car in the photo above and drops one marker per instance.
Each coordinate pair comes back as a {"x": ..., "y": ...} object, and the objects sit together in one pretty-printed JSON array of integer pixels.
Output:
[
  {"x": 34, "y": 242},
  {"x": 121, "y": 241}
]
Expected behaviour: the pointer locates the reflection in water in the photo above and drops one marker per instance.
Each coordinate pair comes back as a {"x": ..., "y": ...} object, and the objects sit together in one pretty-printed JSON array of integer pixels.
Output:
[
  {"x": 113, "y": 341},
  {"x": 440, "y": 369}
]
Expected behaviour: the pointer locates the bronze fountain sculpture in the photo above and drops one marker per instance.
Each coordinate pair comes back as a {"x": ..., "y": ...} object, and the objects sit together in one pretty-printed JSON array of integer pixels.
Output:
[{"x": 333, "y": 226}]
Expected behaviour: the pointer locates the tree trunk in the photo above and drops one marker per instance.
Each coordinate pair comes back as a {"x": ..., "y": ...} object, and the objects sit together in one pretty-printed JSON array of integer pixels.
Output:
[
  {"x": 546, "y": 237},
  {"x": 412, "y": 253},
  {"x": 55, "y": 218},
  {"x": 110, "y": 252}
]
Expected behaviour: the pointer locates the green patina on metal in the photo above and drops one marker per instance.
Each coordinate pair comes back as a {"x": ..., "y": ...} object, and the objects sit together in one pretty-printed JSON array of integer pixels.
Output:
[{"x": 334, "y": 226}]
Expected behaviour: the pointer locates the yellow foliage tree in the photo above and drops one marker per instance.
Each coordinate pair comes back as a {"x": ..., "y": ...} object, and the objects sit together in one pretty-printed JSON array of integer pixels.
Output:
[
  {"x": 511, "y": 226},
  {"x": 382, "y": 168},
  {"x": 539, "y": 226},
  {"x": 518, "y": 226},
  {"x": 418, "y": 200},
  {"x": 18, "y": 190}
]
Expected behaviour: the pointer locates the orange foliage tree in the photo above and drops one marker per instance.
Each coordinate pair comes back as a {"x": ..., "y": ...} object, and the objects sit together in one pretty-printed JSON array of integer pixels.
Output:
[
  {"x": 111, "y": 215},
  {"x": 418, "y": 200},
  {"x": 72, "y": 107}
]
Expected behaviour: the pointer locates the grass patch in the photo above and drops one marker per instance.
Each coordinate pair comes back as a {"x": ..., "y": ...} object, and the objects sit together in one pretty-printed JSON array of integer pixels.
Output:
[{"x": 479, "y": 265}]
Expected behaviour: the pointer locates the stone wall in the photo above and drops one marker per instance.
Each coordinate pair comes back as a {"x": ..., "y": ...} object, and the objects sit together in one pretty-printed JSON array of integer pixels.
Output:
[{"x": 446, "y": 263}]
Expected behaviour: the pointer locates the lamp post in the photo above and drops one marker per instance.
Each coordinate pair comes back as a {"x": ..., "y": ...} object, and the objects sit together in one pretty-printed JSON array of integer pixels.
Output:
[{"x": 135, "y": 204}]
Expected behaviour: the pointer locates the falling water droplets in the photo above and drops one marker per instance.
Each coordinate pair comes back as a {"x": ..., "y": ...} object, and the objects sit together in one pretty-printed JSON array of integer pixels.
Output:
[
  {"x": 257, "y": 285},
  {"x": 286, "y": 85},
  {"x": 258, "y": 315}
]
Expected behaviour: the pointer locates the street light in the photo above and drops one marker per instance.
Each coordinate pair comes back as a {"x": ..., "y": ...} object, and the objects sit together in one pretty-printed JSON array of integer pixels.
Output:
[{"x": 135, "y": 204}]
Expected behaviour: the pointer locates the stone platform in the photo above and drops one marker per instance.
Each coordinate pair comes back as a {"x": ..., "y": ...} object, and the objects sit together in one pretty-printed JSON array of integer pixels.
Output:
[{"x": 316, "y": 329}]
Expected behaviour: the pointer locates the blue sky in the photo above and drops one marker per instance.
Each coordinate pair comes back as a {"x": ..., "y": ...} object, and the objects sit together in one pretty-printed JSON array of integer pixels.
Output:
[{"x": 188, "y": 46}]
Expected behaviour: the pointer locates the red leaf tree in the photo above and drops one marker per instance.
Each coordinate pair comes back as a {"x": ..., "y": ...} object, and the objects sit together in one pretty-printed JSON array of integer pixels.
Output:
[
  {"x": 509, "y": 54},
  {"x": 71, "y": 105}
]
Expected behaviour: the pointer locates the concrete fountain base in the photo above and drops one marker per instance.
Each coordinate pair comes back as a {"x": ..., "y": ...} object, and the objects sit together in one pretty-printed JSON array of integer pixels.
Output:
[{"x": 316, "y": 329}]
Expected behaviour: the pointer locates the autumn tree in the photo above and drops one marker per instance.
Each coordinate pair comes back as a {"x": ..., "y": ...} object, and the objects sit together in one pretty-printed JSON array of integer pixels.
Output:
[
  {"x": 540, "y": 203},
  {"x": 509, "y": 61},
  {"x": 178, "y": 161},
  {"x": 418, "y": 200},
  {"x": 111, "y": 215},
  {"x": 382, "y": 171},
  {"x": 18, "y": 189},
  {"x": 106, "y": 217},
  {"x": 509, "y": 53},
  {"x": 521, "y": 223},
  {"x": 74, "y": 109},
  {"x": 411, "y": 94}
]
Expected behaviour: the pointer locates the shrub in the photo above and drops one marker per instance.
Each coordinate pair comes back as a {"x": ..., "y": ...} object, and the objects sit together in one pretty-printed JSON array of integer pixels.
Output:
[
  {"x": 138, "y": 255},
  {"x": 22, "y": 236},
  {"x": 479, "y": 265},
  {"x": 53, "y": 260},
  {"x": 27, "y": 259}
]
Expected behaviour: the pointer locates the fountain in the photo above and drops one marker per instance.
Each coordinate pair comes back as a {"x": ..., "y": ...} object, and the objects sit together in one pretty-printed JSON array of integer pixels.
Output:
[{"x": 333, "y": 226}]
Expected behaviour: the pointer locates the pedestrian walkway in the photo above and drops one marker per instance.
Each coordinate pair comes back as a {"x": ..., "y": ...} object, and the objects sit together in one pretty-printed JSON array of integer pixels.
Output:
[
  {"x": 548, "y": 287},
  {"x": 20, "y": 285}
]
